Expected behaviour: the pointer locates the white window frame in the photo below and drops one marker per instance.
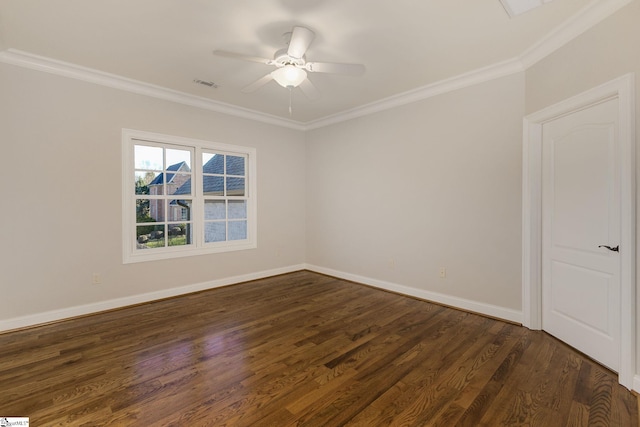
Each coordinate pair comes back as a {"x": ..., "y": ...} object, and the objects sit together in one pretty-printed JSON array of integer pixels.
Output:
[{"x": 130, "y": 253}]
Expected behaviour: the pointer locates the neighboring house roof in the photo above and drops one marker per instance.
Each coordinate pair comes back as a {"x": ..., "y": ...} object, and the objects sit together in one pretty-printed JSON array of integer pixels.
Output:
[
  {"x": 178, "y": 167},
  {"x": 235, "y": 166}
]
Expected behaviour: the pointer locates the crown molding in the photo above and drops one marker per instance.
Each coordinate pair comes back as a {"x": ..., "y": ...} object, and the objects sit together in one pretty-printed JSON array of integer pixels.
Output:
[
  {"x": 589, "y": 16},
  {"x": 73, "y": 71},
  {"x": 592, "y": 14},
  {"x": 491, "y": 72}
]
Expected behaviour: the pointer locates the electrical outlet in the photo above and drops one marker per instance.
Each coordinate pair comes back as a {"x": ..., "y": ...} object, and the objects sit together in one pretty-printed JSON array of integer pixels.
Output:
[
  {"x": 443, "y": 272},
  {"x": 96, "y": 278}
]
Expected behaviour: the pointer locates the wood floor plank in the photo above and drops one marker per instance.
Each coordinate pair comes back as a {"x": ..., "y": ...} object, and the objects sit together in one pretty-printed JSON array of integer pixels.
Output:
[
  {"x": 302, "y": 349},
  {"x": 484, "y": 399}
]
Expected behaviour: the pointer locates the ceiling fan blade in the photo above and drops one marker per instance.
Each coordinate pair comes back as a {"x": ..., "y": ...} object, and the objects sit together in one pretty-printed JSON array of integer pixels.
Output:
[
  {"x": 235, "y": 55},
  {"x": 258, "y": 84},
  {"x": 301, "y": 38},
  {"x": 335, "y": 68},
  {"x": 309, "y": 89}
]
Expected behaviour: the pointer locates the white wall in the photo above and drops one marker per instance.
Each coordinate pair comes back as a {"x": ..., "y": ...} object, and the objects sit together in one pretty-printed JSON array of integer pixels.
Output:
[
  {"x": 432, "y": 184},
  {"x": 389, "y": 198},
  {"x": 61, "y": 204}
]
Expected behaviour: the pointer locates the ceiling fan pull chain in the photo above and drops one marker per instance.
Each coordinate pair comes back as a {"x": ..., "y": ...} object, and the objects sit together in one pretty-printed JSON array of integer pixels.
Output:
[{"x": 290, "y": 100}]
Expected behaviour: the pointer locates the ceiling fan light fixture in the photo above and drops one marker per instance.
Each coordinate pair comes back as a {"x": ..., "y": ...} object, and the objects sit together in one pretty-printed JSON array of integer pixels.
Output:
[{"x": 289, "y": 76}]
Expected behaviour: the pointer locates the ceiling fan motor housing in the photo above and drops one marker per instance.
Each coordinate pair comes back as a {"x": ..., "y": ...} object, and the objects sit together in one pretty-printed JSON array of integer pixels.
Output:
[{"x": 282, "y": 58}]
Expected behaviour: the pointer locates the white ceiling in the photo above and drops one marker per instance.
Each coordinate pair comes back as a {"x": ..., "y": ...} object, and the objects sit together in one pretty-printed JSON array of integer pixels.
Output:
[{"x": 404, "y": 44}]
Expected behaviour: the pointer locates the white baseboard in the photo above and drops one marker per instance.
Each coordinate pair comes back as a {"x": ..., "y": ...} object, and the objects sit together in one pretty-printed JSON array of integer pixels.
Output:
[
  {"x": 66, "y": 313},
  {"x": 451, "y": 301}
]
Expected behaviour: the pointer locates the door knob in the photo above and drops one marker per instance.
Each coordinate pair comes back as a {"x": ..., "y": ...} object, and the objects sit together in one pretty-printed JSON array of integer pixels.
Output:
[{"x": 616, "y": 249}]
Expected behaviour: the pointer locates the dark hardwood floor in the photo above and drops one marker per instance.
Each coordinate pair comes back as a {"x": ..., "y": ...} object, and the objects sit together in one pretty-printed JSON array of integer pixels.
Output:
[{"x": 301, "y": 349}]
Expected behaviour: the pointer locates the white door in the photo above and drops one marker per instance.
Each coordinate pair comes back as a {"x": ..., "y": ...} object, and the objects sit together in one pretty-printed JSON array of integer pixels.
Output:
[{"x": 581, "y": 214}]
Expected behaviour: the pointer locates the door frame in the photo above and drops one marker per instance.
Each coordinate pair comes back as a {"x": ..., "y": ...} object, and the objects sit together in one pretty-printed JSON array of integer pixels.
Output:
[{"x": 623, "y": 90}]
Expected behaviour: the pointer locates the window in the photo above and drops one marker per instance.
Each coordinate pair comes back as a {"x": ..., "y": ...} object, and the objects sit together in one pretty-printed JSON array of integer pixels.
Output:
[{"x": 185, "y": 197}]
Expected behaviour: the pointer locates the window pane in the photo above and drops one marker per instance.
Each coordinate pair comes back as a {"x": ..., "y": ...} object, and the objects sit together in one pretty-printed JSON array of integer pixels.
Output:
[
  {"x": 185, "y": 188},
  {"x": 237, "y": 209},
  {"x": 146, "y": 157},
  {"x": 156, "y": 209},
  {"x": 179, "y": 157},
  {"x": 178, "y": 183},
  {"x": 235, "y": 186},
  {"x": 142, "y": 182},
  {"x": 150, "y": 236},
  {"x": 214, "y": 209},
  {"x": 235, "y": 165},
  {"x": 214, "y": 232},
  {"x": 156, "y": 185},
  {"x": 179, "y": 210},
  {"x": 213, "y": 185},
  {"x": 237, "y": 230},
  {"x": 213, "y": 163},
  {"x": 180, "y": 234}
]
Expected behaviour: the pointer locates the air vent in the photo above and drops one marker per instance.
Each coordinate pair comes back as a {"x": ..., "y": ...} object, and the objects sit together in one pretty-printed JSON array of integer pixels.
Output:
[{"x": 206, "y": 83}]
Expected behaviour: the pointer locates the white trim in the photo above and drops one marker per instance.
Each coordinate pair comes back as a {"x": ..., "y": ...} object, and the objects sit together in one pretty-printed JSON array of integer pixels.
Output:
[
  {"x": 622, "y": 89},
  {"x": 593, "y": 13},
  {"x": 73, "y": 71},
  {"x": 448, "y": 300},
  {"x": 81, "y": 310},
  {"x": 636, "y": 382},
  {"x": 628, "y": 313},
  {"x": 590, "y": 15}
]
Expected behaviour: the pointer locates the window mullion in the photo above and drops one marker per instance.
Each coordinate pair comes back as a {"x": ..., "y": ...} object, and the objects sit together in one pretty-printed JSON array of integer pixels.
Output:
[{"x": 198, "y": 199}]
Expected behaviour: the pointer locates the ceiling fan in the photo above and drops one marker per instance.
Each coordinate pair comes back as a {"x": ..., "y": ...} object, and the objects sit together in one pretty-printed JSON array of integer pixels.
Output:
[{"x": 292, "y": 66}]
